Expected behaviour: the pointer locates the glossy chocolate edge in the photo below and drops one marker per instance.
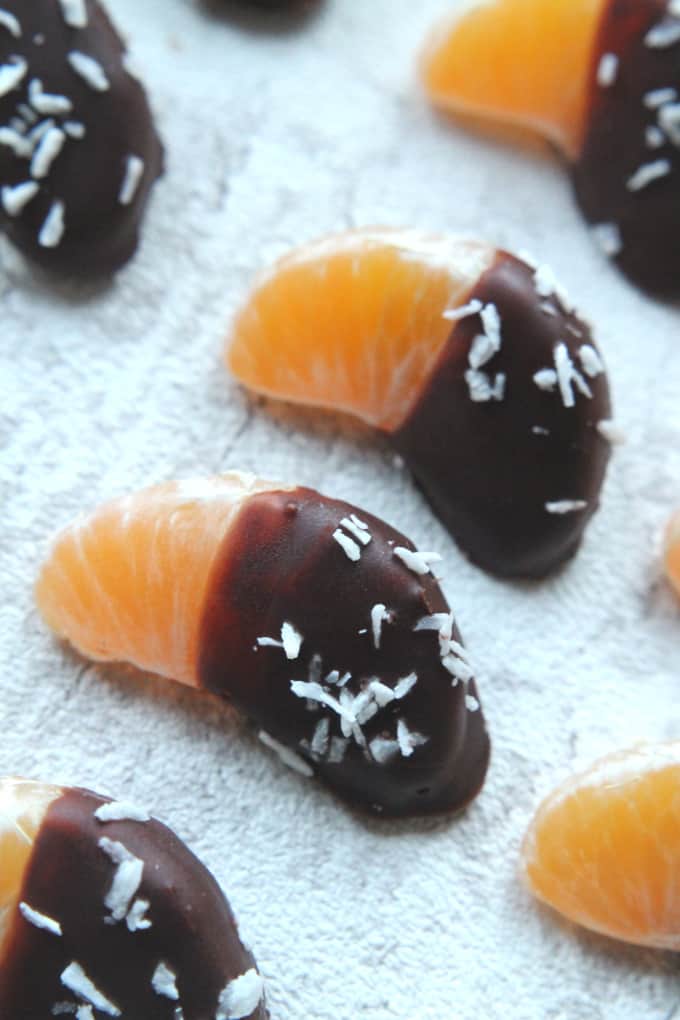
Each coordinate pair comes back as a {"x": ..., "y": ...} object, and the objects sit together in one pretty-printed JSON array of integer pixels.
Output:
[
  {"x": 68, "y": 876},
  {"x": 280, "y": 563},
  {"x": 639, "y": 226},
  {"x": 490, "y": 467},
  {"x": 101, "y": 233}
]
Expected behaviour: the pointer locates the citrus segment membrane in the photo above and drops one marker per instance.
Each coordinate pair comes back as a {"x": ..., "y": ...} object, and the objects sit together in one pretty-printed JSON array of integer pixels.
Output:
[
  {"x": 604, "y": 848},
  {"x": 354, "y": 322}
]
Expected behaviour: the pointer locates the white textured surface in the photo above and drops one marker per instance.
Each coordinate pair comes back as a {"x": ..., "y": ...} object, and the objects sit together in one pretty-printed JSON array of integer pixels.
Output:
[{"x": 273, "y": 139}]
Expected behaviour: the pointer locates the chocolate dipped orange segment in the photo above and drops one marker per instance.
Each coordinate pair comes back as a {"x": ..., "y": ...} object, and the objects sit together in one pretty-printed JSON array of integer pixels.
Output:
[
  {"x": 112, "y": 915},
  {"x": 322, "y": 624},
  {"x": 604, "y": 847},
  {"x": 473, "y": 363},
  {"x": 599, "y": 78}
]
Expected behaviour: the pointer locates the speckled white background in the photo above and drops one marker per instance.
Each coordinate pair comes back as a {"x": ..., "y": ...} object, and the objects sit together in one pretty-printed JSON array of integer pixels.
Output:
[{"x": 273, "y": 138}]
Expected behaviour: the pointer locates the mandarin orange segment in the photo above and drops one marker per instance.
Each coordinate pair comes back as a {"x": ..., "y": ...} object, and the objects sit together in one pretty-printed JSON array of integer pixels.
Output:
[
  {"x": 672, "y": 552},
  {"x": 525, "y": 62},
  {"x": 604, "y": 848},
  {"x": 22, "y": 808},
  {"x": 354, "y": 322},
  {"x": 127, "y": 583}
]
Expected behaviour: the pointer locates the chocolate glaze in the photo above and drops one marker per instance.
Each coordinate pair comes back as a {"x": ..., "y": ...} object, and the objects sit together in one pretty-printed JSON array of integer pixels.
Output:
[
  {"x": 482, "y": 466},
  {"x": 100, "y": 231},
  {"x": 280, "y": 563},
  {"x": 615, "y": 147},
  {"x": 193, "y": 930}
]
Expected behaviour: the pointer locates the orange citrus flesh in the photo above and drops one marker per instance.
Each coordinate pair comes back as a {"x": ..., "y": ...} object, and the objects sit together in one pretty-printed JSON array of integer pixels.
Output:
[
  {"x": 22, "y": 808},
  {"x": 522, "y": 62},
  {"x": 604, "y": 848},
  {"x": 672, "y": 552},
  {"x": 128, "y": 582},
  {"x": 354, "y": 322}
]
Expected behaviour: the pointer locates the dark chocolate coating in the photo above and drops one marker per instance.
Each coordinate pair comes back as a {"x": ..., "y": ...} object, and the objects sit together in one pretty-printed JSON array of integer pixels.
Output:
[
  {"x": 193, "y": 930},
  {"x": 486, "y": 472},
  {"x": 101, "y": 233},
  {"x": 615, "y": 148},
  {"x": 280, "y": 563}
]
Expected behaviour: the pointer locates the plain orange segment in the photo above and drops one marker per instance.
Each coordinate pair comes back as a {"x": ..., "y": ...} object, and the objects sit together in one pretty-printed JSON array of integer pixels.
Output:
[
  {"x": 604, "y": 850},
  {"x": 524, "y": 62},
  {"x": 354, "y": 322},
  {"x": 22, "y": 808},
  {"x": 128, "y": 583}
]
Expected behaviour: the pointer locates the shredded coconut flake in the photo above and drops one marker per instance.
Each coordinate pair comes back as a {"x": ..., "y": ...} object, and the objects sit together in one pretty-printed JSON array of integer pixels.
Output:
[
  {"x": 471, "y": 703},
  {"x": 164, "y": 982},
  {"x": 486, "y": 344},
  {"x": 15, "y": 199},
  {"x": 121, "y": 811},
  {"x": 654, "y": 137},
  {"x": 607, "y": 70},
  {"x": 136, "y": 919},
  {"x": 74, "y": 13},
  {"x": 379, "y": 615},
  {"x": 648, "y": 173},
  {"x": 540, "y": 430},
  {"x": 408, "y": 740},
  {"x": 547, "y": 285},
  {"x": 482, "y": 389},
  {"x": 11, "y": 75},
  {"x": 11, "y": 23},
  {"x": 669, "y": 119},
  {"x": 291, "y": 641},
  {"x": 591, "y": 361},
  {"x": 405, "y": 685},
  {"x": 356, "y": 528},
  {"x": 382, "y": 694},
  {"x": 546, "y": 379},
  {"x": 89, "y": 70},
  {"x": 74, "y": 129},
  {"x": 39, "y": 920},
  {"x": 76, "y": 980},
  {"x": 288, "y": 757},
  {"x": 608, "y": 238},
  {"x": 663, "y": 35},
  {"x": 126, "y": 881},
  {"x": 383, "y": 750},
  {"x": 321, "y": 738},
  {"x": 338, "y": 750},
  {"x": 657, "y": 97},
  {"x": 53, "y": 228},
  {"x": 134, "y": 171},
  {"x": 350, "y": 547},
  {"x": 416, "y": 561},
  {"x": 241, "y": 996},
  {"x": 611, "y": 432},
  {"x": 473, "y": 307},
  {"x": 459, "y": 669},
  {"x": 51, "y": 144},
  {"x": 15, "y": 141},
  {"x": 44, "y": 103},
  {"x": 566, "y": 506}
]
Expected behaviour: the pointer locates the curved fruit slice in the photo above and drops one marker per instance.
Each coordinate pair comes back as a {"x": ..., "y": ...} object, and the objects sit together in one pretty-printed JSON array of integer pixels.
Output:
[
  {"x": 473, "y": 364},
  {"x": 604, "y": 848},
  {"x": 319, "y": 622},
  {"x": 601, "y": 79},
  {"x": 103, "y": 909},
  {"x": 79, "y": 153},
  {"x": 672, "y": 552}
]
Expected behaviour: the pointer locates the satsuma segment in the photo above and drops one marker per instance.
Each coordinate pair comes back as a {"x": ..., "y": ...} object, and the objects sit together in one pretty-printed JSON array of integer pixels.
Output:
[
  {"x": 354, "y": 322},
  {"x": 523, "y": 62},
  {"x": 672, "y": 552},
  {"x": 22, "y": 808},
  {"x": 604, "y": 848},
  {"x": 128, "y": 582}
]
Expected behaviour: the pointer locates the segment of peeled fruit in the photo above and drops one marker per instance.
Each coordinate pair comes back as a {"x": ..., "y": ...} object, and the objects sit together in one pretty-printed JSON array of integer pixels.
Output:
[
  {"x": 471, "y": 362},
  {"x": 604, "y": 848},
  {"x": 601, "y": 79},
  {"x": 321, "y": 623},
  {"x": 107, "y": 912}
]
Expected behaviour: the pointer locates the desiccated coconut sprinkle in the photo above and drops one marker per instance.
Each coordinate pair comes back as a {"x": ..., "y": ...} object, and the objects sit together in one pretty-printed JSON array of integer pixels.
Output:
[
  {"x": 566, "y": 506},
  {"x": 379, "y": 615},
  {"x": 134, "y": 171},
  {"x": 607, "y": 70},
  {"x": 11, "y": 23},
  {"x": 76, "y": 980},
  {"x": 416, "y": 561},
  {"x": 12, "y": 74},
  {"x": 648, "y": 173},
  {"x": 164, "y": 982},
  {"x": 121, "y": 811},
  {"x": 663, "y": 35},
  {"x": 608, "y": 237},
  {"x": 15, "y": 199},
  {"x": 288, "y": 757},
  {"x": 39, "y": 920},
  {"x": 241, "y": 997},
  {"x": 126, "y": 880},
  {"x": 473, "y": 307},
  {"x": 74, "y": 13},
  {"x": 291, "y": 641},
  {"x": 90, "y": 70},
  {"x": 52, "y": 229}
]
